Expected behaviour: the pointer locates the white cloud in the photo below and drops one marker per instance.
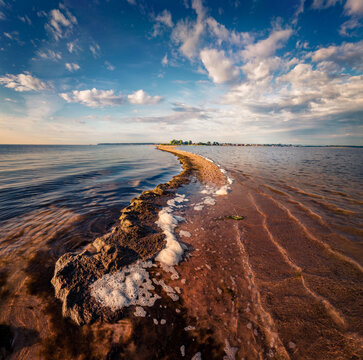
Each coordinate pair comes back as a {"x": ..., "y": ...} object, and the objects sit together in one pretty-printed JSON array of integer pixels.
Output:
[
  {"x": 73, "y": 47},
  {"x": 299, "y": 10},
  {"x": 349, "y": 25},
  {"x": 72, "y": 66},
  {"x": 140, "y": 97},
  {"x": 219, "y": 67},
  {"x": 94, "y": 97},
  {"x": 8, "y": 35},
  {"x": 164, "y": 60},
  {"x": 60, "y": 23},
  {"x": 2, "y": 16},
  {"x": 345, "y": 55},
  {"x": 258, "y": 69},
  {"x": 49, "y": 55},
  {"x": 23, "y": 82},
  {"x": 131, "y": 2},
  {"x": 225, "y": 36},
  {"x": 267, "y": 47},
  {"x": 354, "y": 7},
  {"x": 165, "y": 18},
  {"x": 323, "y": 4},
  {"x": 188, "y": 33},
  {"x": 109, "y": 66},
  {"x": 95, "y": 49},
  {"x": 302, "y": 95},
  {"x": 25, "y": 19}
]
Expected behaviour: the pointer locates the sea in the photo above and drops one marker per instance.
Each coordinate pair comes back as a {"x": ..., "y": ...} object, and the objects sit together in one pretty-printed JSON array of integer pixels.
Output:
[
  {"x": 327, "y": 180},
  {"x": 56, "y": 199},
  {"x": 82, "y": 187}
]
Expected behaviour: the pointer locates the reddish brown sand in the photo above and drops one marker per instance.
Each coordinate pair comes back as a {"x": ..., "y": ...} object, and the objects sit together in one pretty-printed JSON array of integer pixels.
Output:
[
  {"x": 272, "y": 279},
  {"x": 275, "y": 285},
  {"x": 207, "y": 171}
]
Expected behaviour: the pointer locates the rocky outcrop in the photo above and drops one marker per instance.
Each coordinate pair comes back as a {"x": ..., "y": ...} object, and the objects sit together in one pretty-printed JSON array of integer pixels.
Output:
[{"x": 135, "y": 237}]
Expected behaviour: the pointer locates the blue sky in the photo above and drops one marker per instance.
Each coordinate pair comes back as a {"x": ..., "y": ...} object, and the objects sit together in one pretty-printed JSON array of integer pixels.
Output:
[{"x": 83, "y": 72}]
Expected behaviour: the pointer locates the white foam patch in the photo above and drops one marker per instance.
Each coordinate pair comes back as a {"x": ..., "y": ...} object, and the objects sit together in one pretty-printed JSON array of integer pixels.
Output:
[
  {"x": 139, "y": 311},
  {"x": 185, "y": 233},
  {"x": 198, "y": 207},
  {"x": 229, "y": 351},
  {"x": 130, "y": 286},
  {"x": 168, "y": 289},
  {"x": 173, "y": 251},
  {"x": 197, "y": 356},
  {"x": 171, "y": 269},
  {"x": 223, "y": 190},
  {"x": 208, "y": 190},
  {"x": 209, "y": 201},
  {"x": 189, "y": 328}
]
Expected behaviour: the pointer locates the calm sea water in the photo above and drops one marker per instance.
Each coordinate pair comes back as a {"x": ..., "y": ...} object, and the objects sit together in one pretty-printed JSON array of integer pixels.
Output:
[
  {"x": 327, "y": 180},
  {"x": 52, "y": 184}
]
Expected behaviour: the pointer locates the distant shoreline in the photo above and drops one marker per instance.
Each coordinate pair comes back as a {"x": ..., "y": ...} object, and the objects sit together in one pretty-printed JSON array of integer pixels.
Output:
[{"x": 222, "y": 144}]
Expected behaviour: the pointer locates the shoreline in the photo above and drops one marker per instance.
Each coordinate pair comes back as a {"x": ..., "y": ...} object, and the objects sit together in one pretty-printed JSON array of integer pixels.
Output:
[
  {"x": 136, "y": 237},
  {"x": 252, "y": 267}
]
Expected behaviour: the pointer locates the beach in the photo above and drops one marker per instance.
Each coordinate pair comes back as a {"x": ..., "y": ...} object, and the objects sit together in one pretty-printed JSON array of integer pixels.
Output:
[{"x": 213, "y": 264}]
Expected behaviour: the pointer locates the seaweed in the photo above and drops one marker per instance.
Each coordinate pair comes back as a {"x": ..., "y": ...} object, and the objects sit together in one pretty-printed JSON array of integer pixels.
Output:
[{"x": 231, "y": 217}]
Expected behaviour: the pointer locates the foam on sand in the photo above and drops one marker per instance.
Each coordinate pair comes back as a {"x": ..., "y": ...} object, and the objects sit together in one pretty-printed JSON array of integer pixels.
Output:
[
  {"x": 185, "y": 233},
  {"x": 173, "y": 251},
  {"x": 130, "y": 286}
]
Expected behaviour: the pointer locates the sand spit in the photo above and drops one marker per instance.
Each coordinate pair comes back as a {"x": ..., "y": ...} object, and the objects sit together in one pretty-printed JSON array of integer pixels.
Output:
[
  {"x": 141, "y": 235},
  {"x": 207, "y": 171},
  {"x": 255, "y": 284}
]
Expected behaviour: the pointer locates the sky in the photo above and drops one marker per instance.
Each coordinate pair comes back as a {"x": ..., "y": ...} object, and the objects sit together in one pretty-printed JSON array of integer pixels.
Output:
[{"x": 238, "y": 71}]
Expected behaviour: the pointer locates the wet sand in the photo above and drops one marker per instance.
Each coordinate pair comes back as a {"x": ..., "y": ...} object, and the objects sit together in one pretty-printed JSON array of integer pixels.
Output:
[{"x": 276, "y": 285}]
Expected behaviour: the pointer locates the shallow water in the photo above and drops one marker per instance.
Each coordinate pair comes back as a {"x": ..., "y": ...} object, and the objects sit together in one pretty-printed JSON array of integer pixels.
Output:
[
  {"x": 294, "y": 201},
  {"x": 82, "y": 178},
  {"x": 329, "y": 181}
]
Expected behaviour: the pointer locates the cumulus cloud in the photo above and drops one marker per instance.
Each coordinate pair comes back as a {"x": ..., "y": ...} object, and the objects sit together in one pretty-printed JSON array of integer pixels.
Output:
[
  {"x": 60, "y": 22},
  {"x": 258, "y": 69},
  {"x": 345, "y": 55},
  {"x": 354, "y": 7},
  {"x": 225, "y": 36},
  {"x": 94, "y": 98},
  {"x": 219, "y": 67},
  {"x": 23, "y": 82},
  {"x": 49, "y": 55},
  {"x": 140, "y": 97},
  {"x": 188, "y": 33},
  {"x": 301, "y": 94},
  {"x": 267, "y": 47},
  {"x": 72, "y": 66}
]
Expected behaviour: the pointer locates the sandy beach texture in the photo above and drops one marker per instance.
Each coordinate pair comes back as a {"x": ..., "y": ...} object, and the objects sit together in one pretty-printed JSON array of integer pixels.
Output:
[{"x": 261, "y": 277}]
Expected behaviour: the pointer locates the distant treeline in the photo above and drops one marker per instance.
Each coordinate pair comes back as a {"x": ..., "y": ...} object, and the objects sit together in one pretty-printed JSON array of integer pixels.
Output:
[
  {"x": 216, "y": 143},
  {"x": 181, "y": 142}
]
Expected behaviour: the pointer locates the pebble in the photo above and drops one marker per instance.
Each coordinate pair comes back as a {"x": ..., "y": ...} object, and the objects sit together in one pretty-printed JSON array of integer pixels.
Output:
[{"x": 292, "y": 345}]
